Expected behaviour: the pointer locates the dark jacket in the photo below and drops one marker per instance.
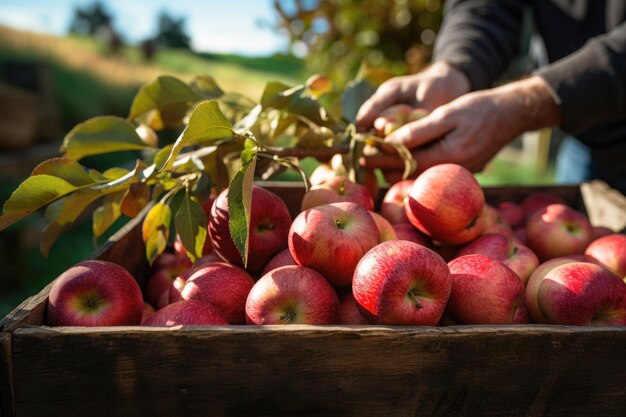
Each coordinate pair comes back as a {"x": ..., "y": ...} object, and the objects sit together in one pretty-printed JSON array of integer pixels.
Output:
[{"x": 586, "y": 45}]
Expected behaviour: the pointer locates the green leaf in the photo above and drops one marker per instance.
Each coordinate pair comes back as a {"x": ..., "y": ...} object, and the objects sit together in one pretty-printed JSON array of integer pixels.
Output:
[
  {"x": 155, "y": 246},
  {"x": 191, "y": 227},
  {"x": 32, "y": 194},
  {"x": 206, "y": 86},
  {"x": 297, "y": 101},
  {"x": 206, "y": 124},
  {"x": 67, "y": 169},
  {"x": 64, "y": 211},
  {"x": 101, "y": 135},
  {"x": 114, "y": 173},
  {"x": 355, "y": 94},
  {"x": 161, "y": 157},
  {"x": 135, "y": 199},
  {"x": 250, "y": 119},
  {"x": 239, "y": 207},
  {"x": 108, "y": 213},
  {"x": 167, "y": 99},
  {"x": 155, "y": 230},
  {"x": 272, "y": 97}
]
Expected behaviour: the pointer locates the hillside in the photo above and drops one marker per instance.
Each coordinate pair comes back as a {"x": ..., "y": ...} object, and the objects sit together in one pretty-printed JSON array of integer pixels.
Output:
[{"x": 85, "y": 76}]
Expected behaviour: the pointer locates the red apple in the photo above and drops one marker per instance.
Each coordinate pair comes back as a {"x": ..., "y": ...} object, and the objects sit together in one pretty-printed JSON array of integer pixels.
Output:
[
  {"x": 322, "y": 173},
  {"x": 406, "y": 231},
  {"x": 532, "y": 286},
  {"x": 349, "y": 312},
  {"x": 446, "y": 202},
  {"x": 292, "y": 295},
  {"x": 417, "y": 114},
  {"x": 164, "y": 299},
  {"x": 392, "y": 206},
  {"x": 401, "y": 282},
  {"x": 180, "y": 248},
  {"x": 174, "y": 293},
  {"x": 148, "y": 310},
  {"x": 582, "y": 294},
  {"x": 332, "y": 238},
  {"x": 446, "y": 250},
  {"x": 485, "y": 291},
  {"x": 392, "y": 118},
  {"x": 538, "y": 200},
  {"x": 223, "y": 285},
  {"x": 167, "y": 267},
  {"x": 505, "y": 249},
  {"x": 209, "y": 257},
  {"x": 512, "y": 213},
  {"x": 599, "y": 231},
  {"x": 335, "y": 190},
  {"x": 385, "y": 229},
  {"x": 610, "y": 251},
  {"x": 558, "y": 230},
  {"x": 95, "y": 293},
  {"x": 282, "y": 258},
  {"x": 187, "y": 313},
  {"x": 269, "y": 225},
  {"x": 494, "y": 223},
  {"x": 520, "y": 234}
]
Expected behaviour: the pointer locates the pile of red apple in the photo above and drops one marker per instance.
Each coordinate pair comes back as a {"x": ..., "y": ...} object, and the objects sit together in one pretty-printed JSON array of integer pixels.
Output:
[{"x": 435, "y": 254}]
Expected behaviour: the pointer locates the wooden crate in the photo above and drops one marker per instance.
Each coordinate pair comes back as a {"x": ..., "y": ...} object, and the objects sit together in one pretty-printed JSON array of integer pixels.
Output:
[{"x": 524, "y": 370}]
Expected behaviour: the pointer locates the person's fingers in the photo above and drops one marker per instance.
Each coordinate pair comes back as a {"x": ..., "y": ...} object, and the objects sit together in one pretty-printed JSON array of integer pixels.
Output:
[
  {"x": 388, "y": 94},
  {"x": 423, "y": 131}
]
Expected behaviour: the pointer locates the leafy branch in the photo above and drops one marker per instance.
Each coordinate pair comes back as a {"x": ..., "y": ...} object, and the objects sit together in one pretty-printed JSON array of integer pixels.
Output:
[{"x": 224, "y": 140}]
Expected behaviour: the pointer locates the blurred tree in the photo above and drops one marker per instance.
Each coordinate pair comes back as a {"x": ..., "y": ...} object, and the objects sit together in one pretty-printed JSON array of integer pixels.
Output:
[
  {"x": 337, "y": 36},
  {"x": 171, "y": 32},
  {"x": 95, "y": 20},
  {"x": 90, "y": 19}
]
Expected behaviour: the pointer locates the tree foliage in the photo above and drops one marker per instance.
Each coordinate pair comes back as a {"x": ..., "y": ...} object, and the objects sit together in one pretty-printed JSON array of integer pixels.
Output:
[
  {"x": 90, "y": 19},
  {"x": 337, "y": 36},
  {"x": 171, "y": 32}
]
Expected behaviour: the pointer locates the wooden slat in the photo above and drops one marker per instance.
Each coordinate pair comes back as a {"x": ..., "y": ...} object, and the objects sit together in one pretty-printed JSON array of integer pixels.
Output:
[
  {"x": 6, "y": 376},
  {"x": 30, "y": 312},
  {"x": 329, "y": 371},
  {"x": 606, "y": 206}
]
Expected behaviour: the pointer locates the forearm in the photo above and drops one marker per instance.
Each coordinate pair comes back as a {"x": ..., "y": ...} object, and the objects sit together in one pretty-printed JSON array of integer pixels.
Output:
[
  {"x": 529, "y": 104},
  {"x": 590, "y": 84},
  {"x": 479, "y": 37}
]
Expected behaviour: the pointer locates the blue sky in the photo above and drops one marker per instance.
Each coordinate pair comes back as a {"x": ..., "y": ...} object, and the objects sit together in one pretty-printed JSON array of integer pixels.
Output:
[{"x": 229, "y": 26}]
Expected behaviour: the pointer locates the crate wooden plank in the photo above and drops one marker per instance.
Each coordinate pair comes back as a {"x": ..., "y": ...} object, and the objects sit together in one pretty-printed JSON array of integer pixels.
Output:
[
  {"x": 6, "y": 376},
  {"x": 317, "y": 370},
  {"x": 606, "y": 206}
]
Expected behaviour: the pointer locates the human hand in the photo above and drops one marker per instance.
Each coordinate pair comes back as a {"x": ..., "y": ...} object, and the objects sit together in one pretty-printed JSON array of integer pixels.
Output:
[
  {"x": 438, "y": 84},
  {"x": 471, "y": 129}
]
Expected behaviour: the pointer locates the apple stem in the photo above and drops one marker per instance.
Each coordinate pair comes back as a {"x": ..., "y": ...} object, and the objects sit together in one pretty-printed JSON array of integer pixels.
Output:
[
  {"x": 413, "y": 294},
  {"x": 288, "y": 317},
  {"x": 472, "y": 223}
]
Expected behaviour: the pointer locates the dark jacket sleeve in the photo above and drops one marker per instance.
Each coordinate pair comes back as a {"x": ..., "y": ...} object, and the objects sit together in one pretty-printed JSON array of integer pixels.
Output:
[
  {"x": 480, "y": 37},
  {"x": 590, "y": 84}
]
